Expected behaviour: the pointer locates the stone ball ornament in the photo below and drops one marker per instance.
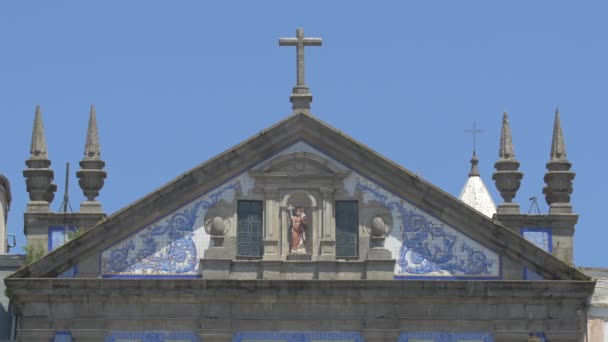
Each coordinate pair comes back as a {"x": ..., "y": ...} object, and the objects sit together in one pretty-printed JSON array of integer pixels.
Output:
[
  {"x": 379, "y": 227},
  {"x": 216, "y": 226}
]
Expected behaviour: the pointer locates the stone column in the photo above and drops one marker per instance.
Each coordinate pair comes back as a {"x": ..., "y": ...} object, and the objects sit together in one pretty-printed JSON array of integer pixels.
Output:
[
  {"x": 271, "y": 224},
  {"x": 328, "y": 226}
]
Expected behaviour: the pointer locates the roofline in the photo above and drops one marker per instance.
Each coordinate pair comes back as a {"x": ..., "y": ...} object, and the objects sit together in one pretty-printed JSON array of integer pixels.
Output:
[{"x": 426, "y": 194}]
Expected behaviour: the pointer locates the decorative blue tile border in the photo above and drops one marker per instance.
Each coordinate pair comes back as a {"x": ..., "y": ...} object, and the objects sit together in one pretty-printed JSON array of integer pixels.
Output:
[
  {"x": 297, "y": 336},
  {"x": 540, "y": 337},
  {"x": 541, "y": 238},
  {"x": 58, "y": 236},
  {"x": 62, "y": 336},
  {"x": 151, "y": 336},
  {"x": 445, "y": 336},
  {"x": 138, "y": 276}
]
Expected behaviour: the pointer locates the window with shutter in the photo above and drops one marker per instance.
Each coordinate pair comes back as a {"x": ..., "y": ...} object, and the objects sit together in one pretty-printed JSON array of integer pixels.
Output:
[
  {"x": 249, "y": 229},
  {"x": 347, "y": 229}
]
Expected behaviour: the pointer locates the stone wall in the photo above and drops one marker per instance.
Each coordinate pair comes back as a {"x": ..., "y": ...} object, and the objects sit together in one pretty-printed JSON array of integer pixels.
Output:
[{"x": 380, "y": 310}]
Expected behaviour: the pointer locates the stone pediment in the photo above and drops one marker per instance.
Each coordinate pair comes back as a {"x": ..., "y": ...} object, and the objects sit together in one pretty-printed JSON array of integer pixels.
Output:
[
  {"x": 298, "y": 163},
  {"x": 302, "y": 169},
  {"x": 266, "y": 161}
]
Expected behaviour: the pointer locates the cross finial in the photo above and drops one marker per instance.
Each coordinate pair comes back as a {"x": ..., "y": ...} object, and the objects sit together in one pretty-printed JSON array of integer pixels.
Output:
[
  {"x": 474, "y": 132},
  {"x": 301, "y": 97}
]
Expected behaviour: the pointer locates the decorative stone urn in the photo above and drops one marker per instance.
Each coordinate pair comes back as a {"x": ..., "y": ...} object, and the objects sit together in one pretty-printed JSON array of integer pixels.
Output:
[
  {"x": 559, "y": 183},
  {"x": 91, "y": 177},
  {"x": 39, "y": 180},
  {"x": 507, "y": 178}
]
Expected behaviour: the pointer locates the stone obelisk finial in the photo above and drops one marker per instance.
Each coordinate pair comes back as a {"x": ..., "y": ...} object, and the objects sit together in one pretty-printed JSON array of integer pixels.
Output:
[
  {"x": 91, "y": 174},
  {"x": 38, "y": 175},
  {"x": 38, "y": 148},
  {"x": 301, "y": 96},
  {"x": 92, "y": 149},
  {"x": 507, "y": 177},
  {"x": 558, "y": 146},
  {"x": 558, "y": 178}
]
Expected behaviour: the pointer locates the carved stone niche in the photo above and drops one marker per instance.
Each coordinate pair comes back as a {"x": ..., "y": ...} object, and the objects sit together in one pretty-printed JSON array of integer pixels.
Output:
[
  {"x": 292, "y": 200},
  {"x": 378, "y": 222},
  {"x": 218, "y": 221},
  {"x": 306, "y": 178}
]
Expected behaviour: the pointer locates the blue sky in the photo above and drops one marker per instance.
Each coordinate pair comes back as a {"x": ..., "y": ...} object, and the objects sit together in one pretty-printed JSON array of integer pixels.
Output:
[{"x": 175, "y": 83}]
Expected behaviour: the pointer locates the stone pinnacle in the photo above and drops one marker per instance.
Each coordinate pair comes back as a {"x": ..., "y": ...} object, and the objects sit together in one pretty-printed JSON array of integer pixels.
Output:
[
  {"x": 38, "y": 148},
  {"x": 558, "y": 146},
  {"x": 505, "y": 149},
  {"x": 92, "y": 149}
]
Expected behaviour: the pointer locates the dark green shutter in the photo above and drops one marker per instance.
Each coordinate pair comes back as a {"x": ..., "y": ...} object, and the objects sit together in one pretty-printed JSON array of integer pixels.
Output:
[
  {"x": 347, "y": 229},
  {"x": 249, "y": 229}
]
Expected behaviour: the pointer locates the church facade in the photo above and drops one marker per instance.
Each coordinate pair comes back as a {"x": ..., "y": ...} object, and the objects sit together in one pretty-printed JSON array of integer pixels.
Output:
[{"x": 300, "y": 233}]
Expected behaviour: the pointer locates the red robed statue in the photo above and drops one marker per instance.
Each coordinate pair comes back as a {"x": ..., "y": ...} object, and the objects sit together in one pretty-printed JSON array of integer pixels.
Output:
[{"x": 299, "y": 223}]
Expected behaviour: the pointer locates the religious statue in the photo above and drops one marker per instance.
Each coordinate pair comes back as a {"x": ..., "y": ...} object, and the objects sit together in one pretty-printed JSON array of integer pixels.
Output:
[{"x": 298, "y": 225}]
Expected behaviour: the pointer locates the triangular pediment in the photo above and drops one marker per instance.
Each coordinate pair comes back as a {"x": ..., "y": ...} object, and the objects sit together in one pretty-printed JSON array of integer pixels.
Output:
[
  {"x": 429, "y": 232},
  {"x": 300, "y": 164}
]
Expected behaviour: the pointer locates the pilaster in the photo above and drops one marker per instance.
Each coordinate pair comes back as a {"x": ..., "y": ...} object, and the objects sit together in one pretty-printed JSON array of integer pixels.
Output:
[
  {"x": 272, "y": 250},
  {"x": 328, "y": 234}
]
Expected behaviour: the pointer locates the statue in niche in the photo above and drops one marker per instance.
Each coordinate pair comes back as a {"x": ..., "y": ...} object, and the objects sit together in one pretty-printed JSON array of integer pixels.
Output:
[{"x": 298, "y": 224}]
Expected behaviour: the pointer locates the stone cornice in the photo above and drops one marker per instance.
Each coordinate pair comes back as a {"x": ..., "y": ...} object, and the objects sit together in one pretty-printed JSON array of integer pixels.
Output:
[{"x": 36, "y": 289}]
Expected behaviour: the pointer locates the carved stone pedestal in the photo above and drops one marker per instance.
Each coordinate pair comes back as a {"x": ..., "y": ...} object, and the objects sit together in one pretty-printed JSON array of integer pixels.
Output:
[
  {"x": 216, "y": 268},
  {"x": 90, "y": 207},
  {"x": 217, "y": 253},
  {"x": 379, "y": 253},
  {"x": 508, "y": 208}
]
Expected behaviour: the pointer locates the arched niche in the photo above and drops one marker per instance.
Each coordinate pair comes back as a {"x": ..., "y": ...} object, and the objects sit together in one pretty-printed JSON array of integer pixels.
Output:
[{"x": 293, "y": 199}]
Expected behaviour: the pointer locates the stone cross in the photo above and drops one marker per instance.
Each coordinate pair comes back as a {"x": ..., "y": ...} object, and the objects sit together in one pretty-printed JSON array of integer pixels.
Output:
[
  {"x": 300, "y": 42},
  {"x": 474, "y": 132}
]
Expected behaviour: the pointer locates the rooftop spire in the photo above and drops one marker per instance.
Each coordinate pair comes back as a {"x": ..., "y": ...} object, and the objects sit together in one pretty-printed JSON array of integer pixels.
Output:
[
  {"x": 558, "y": 146},
  {"x": 38, "y": 148},
  {"x": 475, "y": 193},
  {"x": 300, "y": 97},
  {"x": 505, "y": 148},
  {"x": 92, "y": 149}
]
